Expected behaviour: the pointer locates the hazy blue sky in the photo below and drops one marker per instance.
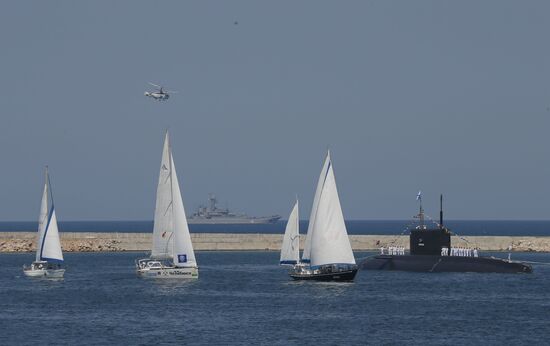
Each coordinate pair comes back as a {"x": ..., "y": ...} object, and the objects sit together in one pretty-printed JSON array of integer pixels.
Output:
[{"x": 443, "y": 96}]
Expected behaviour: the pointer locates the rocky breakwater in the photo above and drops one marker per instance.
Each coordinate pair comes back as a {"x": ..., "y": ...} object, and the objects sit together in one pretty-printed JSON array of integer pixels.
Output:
[
  {"x": 484, "y": 243},
  {"x": 96, "y": 242},
  {"x": 74, "y": 242}
]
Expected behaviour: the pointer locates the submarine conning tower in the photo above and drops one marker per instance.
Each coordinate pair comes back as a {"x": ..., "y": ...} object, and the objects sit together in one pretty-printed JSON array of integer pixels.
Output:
[{"x": 425, "y": 241}]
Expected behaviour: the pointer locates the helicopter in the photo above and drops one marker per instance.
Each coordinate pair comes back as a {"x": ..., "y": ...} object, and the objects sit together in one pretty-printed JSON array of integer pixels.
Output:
[{"x": 161, "y": 94}]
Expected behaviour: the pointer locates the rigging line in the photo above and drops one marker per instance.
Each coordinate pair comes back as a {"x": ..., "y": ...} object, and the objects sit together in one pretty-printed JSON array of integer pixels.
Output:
[
  {"x": 316, "y": 210},
  {"x": 432, "y": 220},
  {"x": 534, "y": 262},
  {"x": 171, "y": 192},
  {"x": 44, "y": 219},
  {"x": 168, "y": 208},
  {"x": 452, "y": 232},
  {"x": 396, "y": 238},
  {"x": 409, "y": 225},
  {"x": 168, "y": 242},
  {"x": 435, "y": 265},
  {"x": 49, "y": 185}
]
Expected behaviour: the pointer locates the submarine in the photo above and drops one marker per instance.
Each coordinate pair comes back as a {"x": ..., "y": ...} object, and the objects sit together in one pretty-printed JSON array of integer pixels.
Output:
[{"x": 431, "y": 251}]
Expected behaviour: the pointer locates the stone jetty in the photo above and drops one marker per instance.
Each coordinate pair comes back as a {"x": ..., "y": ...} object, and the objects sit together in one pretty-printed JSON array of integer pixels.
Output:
[{"x": 96, "y": 242}]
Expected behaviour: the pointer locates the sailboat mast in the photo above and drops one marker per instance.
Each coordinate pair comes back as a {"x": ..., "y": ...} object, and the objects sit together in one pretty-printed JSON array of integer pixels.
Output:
[
  {"x": 171, "y": 188},
  {"x": 298, "y": 231},
  {"x": 298, "y": 226},
  {"x": 43, "y": 216},
  {"x": 49, "y": 184},
  {"x": 306, "y": 255},
  {"x": 322, "y": 184}
]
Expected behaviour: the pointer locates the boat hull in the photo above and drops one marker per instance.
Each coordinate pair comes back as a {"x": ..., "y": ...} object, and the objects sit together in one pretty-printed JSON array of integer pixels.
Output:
[
  {"x": 44, "y": 273},
  {"x": 347, "y": 275},
  {"x": 169, "y": 273},
  {"x": 435, "y": 264}
]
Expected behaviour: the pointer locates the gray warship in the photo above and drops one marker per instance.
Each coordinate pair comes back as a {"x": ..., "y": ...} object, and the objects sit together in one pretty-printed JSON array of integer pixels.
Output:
[{"x": 211, "y": 214}]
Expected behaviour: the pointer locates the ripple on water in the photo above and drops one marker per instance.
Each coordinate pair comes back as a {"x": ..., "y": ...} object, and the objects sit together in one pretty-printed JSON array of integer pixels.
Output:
[{"x": 246, "y": 298}]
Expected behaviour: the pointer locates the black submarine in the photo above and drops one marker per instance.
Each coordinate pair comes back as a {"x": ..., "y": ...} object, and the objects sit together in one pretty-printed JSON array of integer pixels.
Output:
[{"x": 431, "y": 251}]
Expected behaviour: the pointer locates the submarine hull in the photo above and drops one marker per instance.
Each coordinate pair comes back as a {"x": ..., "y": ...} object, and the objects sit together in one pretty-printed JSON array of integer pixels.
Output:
[{"x": 436, "y": 264}]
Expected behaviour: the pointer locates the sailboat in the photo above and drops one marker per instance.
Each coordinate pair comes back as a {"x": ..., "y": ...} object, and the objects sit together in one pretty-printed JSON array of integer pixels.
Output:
[
  {"x": 49, "y": 256},
  {"x": 172, "y": 254},
  {"x": 290, "y": 250},
  {"x": 327, "y": 252}
]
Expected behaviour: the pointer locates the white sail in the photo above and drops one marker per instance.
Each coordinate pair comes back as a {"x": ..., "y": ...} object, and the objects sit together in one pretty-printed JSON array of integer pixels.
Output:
[
  {"x": 183, "y": 254},
  {"x": 42, "y": 219},
  {"x": 290, "y": 250},
  {"x": 329, "y": 240},
  {"x": 171, "y": 238},
  {"x": 163, "y": 224},
  {"x": 48, "y": 244},
  {"x": 51, "y": 246},
  {"x": 307, "y": 246}
]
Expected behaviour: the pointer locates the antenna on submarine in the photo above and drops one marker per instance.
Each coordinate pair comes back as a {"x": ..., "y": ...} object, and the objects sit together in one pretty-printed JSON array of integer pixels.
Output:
[{"x": 441, "y": 211}]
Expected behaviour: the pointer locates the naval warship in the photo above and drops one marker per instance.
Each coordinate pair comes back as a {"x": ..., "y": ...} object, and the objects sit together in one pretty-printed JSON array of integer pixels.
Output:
[
  {"x": 211, "y": 214},
  {"x": 431, "y": 251}
]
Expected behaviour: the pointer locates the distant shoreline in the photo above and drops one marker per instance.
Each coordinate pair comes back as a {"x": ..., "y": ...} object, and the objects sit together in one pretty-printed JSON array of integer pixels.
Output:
[{"x": 116, "y": 242}]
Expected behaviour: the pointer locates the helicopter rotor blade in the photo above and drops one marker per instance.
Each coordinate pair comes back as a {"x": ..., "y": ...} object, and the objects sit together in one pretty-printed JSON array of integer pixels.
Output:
[
  {"x": 171, "y": 91},
  {"x": 153, "y": 84}
]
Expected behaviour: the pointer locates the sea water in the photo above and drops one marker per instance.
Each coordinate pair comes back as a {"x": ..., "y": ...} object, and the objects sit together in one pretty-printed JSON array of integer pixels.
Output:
[
  {"x": 246, "y": 298},
  {"x": 379, "y": 227}
]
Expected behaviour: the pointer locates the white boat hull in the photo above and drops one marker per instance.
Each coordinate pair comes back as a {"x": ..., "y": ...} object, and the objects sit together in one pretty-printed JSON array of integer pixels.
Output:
[
  {"x": 169, "y": 273},
  {"x": 151, "y": 268},
  {"x": 45, "y": 273}
]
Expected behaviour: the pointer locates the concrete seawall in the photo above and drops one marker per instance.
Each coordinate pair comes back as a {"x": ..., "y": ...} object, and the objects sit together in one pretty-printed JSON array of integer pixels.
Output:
[{"x": 91, "y": 242}]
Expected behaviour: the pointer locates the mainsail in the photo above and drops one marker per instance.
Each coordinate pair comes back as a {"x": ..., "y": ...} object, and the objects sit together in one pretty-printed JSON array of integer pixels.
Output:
[
  {"x": 171, "y": 238},
  {"x": 183, "y": 255},
  {"x": 163, "y": 224},
  {"x": 307, "y": 247},
  {"x": 42, "y": 219},
  {"x": 329, "y": 239},
  {"x": 290, "y": 250},
  {"x": 49, "y": 245}
]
